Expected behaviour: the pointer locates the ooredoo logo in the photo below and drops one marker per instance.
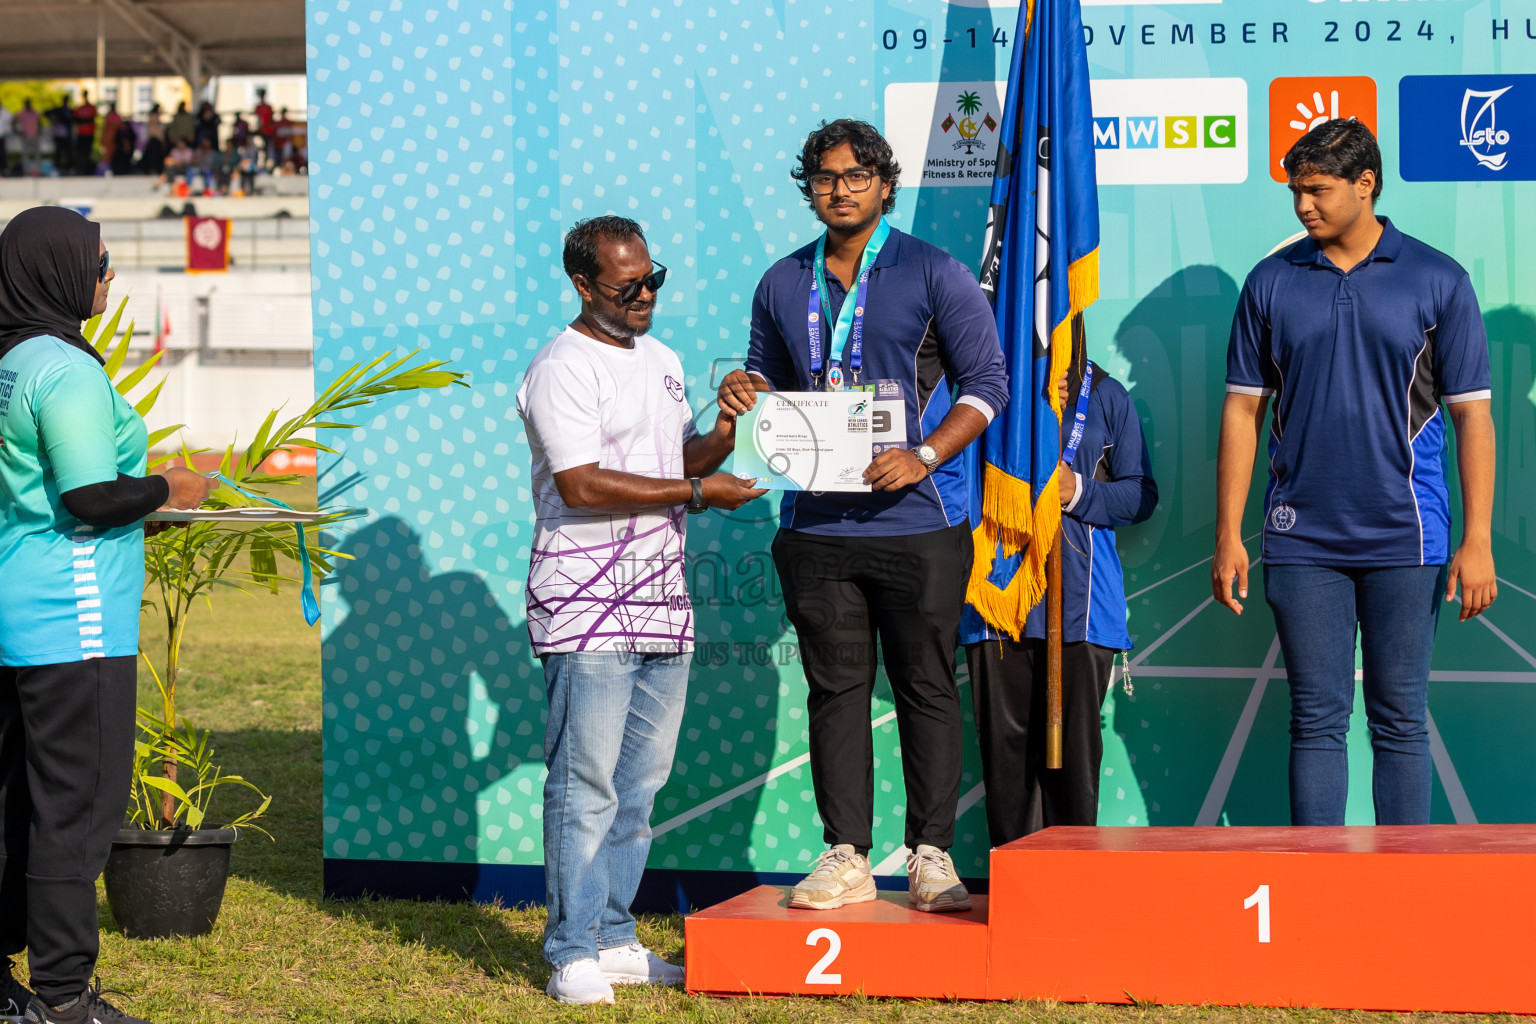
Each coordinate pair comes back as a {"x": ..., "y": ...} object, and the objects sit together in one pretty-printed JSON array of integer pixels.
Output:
[{"x": 1297, "y": 105}]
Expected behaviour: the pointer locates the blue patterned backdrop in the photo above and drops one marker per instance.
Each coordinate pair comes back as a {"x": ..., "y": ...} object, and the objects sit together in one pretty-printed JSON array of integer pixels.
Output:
[{"x": 453, "y": 143}]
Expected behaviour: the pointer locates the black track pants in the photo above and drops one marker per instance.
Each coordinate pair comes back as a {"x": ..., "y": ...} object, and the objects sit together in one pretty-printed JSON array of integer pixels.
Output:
[
  {"x": 66, "y": 754},
  {"x": 840, "y": 593},
  {"x": 1008, "y": 691}
]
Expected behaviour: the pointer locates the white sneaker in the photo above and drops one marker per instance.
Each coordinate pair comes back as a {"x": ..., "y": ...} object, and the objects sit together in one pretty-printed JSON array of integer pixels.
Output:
[
  {"x": 635, "y": 965},
  {"x": 932, "y": 884},
  {"x": 581, "y": 982},
  {"x": 841, "y": 876}
]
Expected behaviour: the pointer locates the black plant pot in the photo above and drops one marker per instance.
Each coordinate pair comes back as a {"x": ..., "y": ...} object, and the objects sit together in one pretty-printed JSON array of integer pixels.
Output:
[{"x": 166, "y": 884}]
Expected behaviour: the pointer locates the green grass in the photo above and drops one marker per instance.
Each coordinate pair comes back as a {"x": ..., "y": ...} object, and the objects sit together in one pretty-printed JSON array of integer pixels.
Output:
[{"x": 282, "y": 953}]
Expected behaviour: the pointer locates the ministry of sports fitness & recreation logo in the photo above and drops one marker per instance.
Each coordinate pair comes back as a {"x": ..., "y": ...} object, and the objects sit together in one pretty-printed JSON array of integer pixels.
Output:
[{"x": 968, "y": 104}]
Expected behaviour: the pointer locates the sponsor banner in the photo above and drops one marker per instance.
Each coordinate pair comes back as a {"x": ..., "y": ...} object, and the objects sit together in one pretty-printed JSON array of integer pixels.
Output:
[
  {"x": 1171, "y": 131},
  {"x": 1468, "y": 127},
  {"x": 944, "y": 133},
  {"x": 1297, "y": 105}
]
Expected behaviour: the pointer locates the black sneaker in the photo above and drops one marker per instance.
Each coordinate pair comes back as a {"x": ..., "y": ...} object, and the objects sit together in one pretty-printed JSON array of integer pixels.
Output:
[
  {"x": 14, "y": 996},
  {"x": 86, "y": 1008}
]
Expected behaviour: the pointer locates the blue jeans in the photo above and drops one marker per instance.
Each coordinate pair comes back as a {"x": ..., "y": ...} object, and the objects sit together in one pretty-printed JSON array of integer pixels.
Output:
[
  {"x": 1317, "y": 610},
  {"x": 613, "y": 722}
]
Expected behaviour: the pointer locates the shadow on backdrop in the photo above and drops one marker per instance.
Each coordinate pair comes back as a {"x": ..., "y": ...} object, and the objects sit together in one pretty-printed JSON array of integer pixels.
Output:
[{"x": 1176, "y": 729}]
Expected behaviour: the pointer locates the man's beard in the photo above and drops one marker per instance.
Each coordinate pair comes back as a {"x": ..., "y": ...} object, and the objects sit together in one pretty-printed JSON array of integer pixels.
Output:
[{"x": 617, "y": 327}]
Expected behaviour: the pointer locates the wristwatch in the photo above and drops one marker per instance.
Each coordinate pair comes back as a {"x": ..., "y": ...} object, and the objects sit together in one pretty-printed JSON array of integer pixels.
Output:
[
  {"x": 927, "y": 456},
  {"x": 696, "y": 504}
]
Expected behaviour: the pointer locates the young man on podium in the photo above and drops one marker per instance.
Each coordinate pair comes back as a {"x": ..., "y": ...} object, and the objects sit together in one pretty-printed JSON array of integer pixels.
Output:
[
  {"x": 1359, "y": 333},
  {"x": 617, "y": 464},
  {"x": 867, "y": 305}
]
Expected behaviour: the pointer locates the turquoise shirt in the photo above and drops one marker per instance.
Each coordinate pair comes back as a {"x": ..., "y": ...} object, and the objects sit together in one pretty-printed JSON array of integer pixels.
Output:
[{"x": 68, "y": 591}]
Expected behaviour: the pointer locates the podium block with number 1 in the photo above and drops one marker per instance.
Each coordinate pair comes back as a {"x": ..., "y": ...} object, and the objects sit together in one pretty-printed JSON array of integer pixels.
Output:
[{"x": 1393, "y": 918}]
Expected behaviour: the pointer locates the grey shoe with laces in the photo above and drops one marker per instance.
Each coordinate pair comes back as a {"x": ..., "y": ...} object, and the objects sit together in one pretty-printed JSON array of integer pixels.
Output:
[{"x": 932, "y": 884}]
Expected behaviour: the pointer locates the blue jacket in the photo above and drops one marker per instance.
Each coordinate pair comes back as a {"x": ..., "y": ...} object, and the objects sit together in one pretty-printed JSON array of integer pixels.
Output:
[
  {"x": 1115, "y": 488},
  {"x": 928, "y": 325}
]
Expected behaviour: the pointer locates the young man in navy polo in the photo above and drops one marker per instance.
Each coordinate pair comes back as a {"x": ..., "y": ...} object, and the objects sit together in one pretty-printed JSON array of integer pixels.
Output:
[
  {"x": 1365, "y": 339},
  {"x": 868, "y": 303}
]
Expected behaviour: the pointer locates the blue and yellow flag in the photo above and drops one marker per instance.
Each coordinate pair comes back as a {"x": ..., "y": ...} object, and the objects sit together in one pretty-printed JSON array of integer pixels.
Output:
[{"x": 1040, "y": 269}]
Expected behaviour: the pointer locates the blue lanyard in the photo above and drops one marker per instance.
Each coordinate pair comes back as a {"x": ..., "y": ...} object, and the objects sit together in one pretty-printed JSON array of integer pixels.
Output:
[
  {"x": 1080, "y": 417},
  {"x": 849, "y": 328},
  {"x": 307, "y": 600}
]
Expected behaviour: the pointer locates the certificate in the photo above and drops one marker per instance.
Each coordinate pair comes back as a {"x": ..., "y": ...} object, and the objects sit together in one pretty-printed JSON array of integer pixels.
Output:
[{"x": 806, "y": 440}]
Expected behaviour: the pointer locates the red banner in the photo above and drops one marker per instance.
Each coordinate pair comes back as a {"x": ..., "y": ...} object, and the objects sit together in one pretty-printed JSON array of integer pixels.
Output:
[{"x": 207, "y": 244}]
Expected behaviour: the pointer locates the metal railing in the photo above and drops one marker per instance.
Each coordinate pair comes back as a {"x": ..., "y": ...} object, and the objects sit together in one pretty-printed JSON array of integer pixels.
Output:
[{"x": 279, "y": 243}]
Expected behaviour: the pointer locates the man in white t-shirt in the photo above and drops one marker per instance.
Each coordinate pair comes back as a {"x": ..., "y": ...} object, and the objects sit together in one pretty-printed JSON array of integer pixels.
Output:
[{"x": 617, "y": 464}]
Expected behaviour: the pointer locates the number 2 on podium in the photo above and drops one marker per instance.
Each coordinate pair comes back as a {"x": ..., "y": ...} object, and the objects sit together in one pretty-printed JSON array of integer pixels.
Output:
[
  {"x": 1260, "y": 898},
  {"x": 817, "y": 974}
]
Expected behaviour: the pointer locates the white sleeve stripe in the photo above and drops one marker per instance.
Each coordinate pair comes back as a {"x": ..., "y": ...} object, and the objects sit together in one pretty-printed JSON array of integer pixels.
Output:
[
  {"x": 1244, "y": 389},
  {"x": 1077, "y": 492},
  {"x": 977, "y": 404},
  {"x": 1470, "y": 396}
]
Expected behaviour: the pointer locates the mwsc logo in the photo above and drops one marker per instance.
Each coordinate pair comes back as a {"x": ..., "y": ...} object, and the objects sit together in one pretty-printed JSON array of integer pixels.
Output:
[
  {"x": 1170, "y": 131},
  {"x": 1176, "y": 131}
]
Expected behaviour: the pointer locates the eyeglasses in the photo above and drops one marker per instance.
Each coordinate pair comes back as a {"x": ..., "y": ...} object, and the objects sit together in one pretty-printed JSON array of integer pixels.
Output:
[
  {"x": 630, "y": 292},
  {"x": 106, "y": 265},
  {"x": 858, "y": 180}
]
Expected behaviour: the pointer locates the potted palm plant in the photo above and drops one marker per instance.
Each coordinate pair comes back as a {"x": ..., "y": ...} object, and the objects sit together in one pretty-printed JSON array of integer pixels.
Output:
[{"x": 169, "y": 863}]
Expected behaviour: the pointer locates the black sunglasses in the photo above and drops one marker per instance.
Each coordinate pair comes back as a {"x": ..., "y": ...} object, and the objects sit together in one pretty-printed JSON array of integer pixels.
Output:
[
  {"x": 106, "y": 265},
  {"x": 630, "y": 292}
]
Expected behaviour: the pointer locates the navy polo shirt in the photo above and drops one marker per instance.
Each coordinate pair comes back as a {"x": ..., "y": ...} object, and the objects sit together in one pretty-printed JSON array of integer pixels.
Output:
[
  {"x": 926, "y": 324},
  {"x": 1358, "y": 365}
]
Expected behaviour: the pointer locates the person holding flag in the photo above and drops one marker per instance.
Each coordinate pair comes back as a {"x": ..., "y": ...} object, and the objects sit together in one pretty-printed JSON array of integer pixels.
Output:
[
  {"x": 868, "y": 305},
  {"x": 1040, "y": 269}
]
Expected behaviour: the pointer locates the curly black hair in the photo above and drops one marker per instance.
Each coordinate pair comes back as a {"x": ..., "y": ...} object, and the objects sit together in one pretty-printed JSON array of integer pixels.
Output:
[
  {"x": 1343, "y": 148},
  {"x": 581, "y": 242},
  {"x": 869, "y": 148}
]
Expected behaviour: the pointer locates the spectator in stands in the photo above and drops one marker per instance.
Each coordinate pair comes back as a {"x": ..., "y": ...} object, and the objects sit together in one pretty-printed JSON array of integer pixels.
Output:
[
  {"x": 250, "y": 161},
  {"x": 207, "y": 127},
  {"x": 182, "y": 128},
  {"x": 7, "y": 122},
  {"x": 29, "y": 129},
  {"x": 152, "y": 161},
  {"x": 240, "y": 129},
  {"x": 282, "y": 130},
  {"x": 111, "y": 124},
  {"x": 85, "y": 135},
  {"x": 225, "y": 165},
  {"x": 200, "y": 174},
  {"x": 61, "y": 120},
  {"x": 177, "y": 162},
  {"x": 125, "y": 142},
  {"x": 264, "y": 125}
]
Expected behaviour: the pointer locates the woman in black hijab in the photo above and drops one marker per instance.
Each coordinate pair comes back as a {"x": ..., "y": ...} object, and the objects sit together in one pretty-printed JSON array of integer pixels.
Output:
[{"x": 73, "y": 496}]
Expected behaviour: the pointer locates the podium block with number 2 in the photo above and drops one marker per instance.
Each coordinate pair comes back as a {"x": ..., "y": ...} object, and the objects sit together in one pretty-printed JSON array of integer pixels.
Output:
[{"x": 755, "y": 945}]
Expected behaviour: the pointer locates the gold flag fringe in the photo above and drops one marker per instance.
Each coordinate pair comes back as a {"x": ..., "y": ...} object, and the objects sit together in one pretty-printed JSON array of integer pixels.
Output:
[{"x": 1010, "y": 520}]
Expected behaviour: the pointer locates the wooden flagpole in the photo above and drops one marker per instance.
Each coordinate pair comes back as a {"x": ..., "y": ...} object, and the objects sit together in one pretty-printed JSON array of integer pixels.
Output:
[{"x": 1053, "y": 716}]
